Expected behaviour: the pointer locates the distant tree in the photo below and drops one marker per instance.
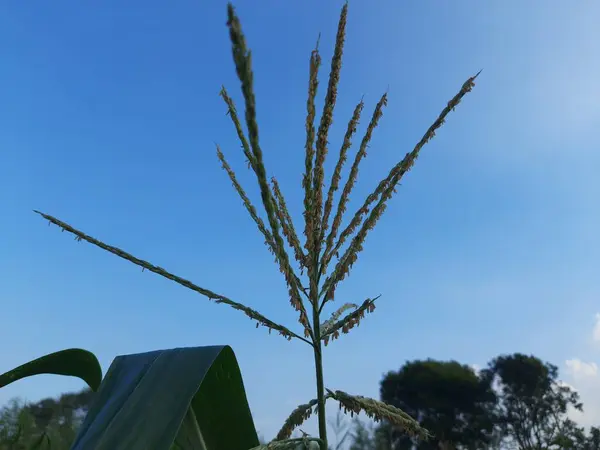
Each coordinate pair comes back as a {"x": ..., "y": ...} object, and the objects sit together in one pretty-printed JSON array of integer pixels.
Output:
[
  {"x": 445, "y": 397},
  {"x": 573, "y": 437},
  {"x": 341, "y": 430},
  {"x": 365, "y": 436},
  {"x": 68, "y": 409},
  {"x": 362, "y": 436},
  {"x": 592, "y": 440},
  {"x": 18, "y": 430},
  {"x": 533, "y": 404},
  {"x": 52, "y": 422}
]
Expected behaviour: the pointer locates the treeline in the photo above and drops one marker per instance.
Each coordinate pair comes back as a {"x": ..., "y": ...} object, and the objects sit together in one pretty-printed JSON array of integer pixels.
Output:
[
  {"x": 516, "y": 402},
  {"x": 51, "y": 423}
]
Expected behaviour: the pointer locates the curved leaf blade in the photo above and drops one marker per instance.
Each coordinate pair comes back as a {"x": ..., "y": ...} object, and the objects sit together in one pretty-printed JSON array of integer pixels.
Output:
[
  {"x": 73, "y": 362},
  {"x": 171, "y": 399}
]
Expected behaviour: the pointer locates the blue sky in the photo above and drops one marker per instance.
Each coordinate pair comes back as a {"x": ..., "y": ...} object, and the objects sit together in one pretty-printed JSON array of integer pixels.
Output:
[{"x": 109, "y": 118}]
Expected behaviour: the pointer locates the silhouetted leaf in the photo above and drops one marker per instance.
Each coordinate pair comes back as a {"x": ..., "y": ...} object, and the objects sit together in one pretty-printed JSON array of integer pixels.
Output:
[
  {"x": 169, "y": 399},
  {"x": 72, "y": 362}
]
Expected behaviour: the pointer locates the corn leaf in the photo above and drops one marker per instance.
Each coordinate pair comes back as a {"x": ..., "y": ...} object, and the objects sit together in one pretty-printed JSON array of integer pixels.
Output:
[
  {"x": 184, "y": 398},
  {"x": 72, "y": 362}
]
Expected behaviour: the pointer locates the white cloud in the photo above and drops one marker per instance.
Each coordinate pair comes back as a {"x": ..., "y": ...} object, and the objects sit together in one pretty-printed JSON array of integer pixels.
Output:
[
  {"x": 476, "y": 368},
  {"x": 579, "y": 369},
  {"x": 584, "y": 376}
]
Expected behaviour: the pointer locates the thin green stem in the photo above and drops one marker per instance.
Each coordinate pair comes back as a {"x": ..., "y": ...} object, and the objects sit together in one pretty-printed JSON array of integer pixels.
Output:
[
  {"x": 315, "y": 277},
  {"x": 317, "y": 348}
]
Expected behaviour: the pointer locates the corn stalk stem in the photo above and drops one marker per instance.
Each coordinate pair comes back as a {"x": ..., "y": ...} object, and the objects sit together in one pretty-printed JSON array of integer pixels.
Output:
[
  {"x": 314, "y": 276},
  {"x": 317, "y": 349}
]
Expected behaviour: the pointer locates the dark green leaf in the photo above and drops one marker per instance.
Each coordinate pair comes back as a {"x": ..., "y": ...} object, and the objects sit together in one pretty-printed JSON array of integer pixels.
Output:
[
  {"x": 144, "y": 399},
  {"x": 72, "y": 362}
]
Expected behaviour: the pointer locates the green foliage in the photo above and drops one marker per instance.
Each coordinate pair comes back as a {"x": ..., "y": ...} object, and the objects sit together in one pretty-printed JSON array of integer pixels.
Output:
[
  {"x": 516, "y": 402},
  {"x": 436, "y": 387},
  {"x": 533, "y": 406},
  {"x": 67, "y": 408},
  {"x": 590, "y": 441},
  {"x": 185, "y": 398},
  {"x": 73, "y": 362},
  {"x": 447, "y": 398},
  {"x": 32, "y": 426},
  {"x": 49, "y": 423},
  {"x": 572, "y": 437},
  {"x": 362, "y": 437}
]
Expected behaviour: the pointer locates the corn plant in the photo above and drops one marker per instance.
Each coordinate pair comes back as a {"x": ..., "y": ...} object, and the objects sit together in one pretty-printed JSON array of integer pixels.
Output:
[{"x": 327, "y": 252}]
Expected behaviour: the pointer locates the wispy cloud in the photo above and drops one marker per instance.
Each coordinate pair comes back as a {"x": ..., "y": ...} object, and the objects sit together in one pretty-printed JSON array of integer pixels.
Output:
[
  {"x": 581, "y": 369},
  {"x": 584, "y": 376}
]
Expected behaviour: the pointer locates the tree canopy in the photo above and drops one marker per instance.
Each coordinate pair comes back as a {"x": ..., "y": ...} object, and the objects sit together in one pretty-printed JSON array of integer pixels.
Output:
[
  {"x": 518, "y": 401},
  {"x": 50, "y": 422},
  {"x": 533, "y": 403},
  {"x": 447, "y": 398}
]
